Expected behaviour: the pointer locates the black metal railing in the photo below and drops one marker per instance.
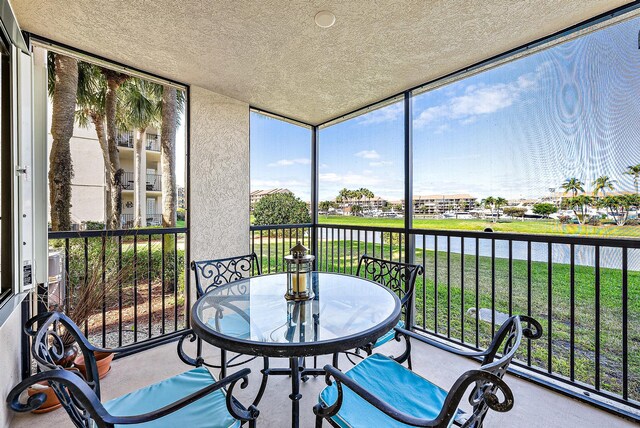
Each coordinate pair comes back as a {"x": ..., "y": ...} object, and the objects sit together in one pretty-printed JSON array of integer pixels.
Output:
[
  {"x": 145, "y": 292},
  {"x": 128, "y": 220},
  {"x": 153, "y": 183},
  {"x": 153, "y": 142},
  {"x": 585, "y": 291},
  {"x": 124, "y": 139},
  {"x": 272, "y": 243}
]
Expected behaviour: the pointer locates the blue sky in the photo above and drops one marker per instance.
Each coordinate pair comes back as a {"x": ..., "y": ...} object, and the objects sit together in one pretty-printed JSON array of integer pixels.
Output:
[
  {"x": 513, "y": 131},
  {"x": 280, "y": 155}
]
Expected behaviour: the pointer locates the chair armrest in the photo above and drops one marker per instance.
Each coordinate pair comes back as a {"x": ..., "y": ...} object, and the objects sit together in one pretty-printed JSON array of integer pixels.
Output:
[
  {"x": 84, "y": 396},
  {"x": 88, "y": 400},
  {"x": 449, "y": 408},
  {"x": 233, "y": 406},
  {"x": 408, "y": 333},
  {"x": 140, "y": 346}
]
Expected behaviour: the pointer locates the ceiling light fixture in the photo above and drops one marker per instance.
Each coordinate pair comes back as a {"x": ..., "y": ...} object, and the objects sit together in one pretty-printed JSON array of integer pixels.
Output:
[{"x": 325, "y": 19}]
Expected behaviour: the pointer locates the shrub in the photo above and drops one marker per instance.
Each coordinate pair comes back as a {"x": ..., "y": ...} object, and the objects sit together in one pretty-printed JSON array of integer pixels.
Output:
[
  {"x": 564, "y": 219},
  {"x": 76, "y": 273},
  {"x": 94, "y": 225},
  {"x": 514, "y": 211},
  {"x": 281, "y": 208},
  {"x": 181, "y": 214},
  {"x": 544, "y": 209},
  {"x": 594, "y": 221}
]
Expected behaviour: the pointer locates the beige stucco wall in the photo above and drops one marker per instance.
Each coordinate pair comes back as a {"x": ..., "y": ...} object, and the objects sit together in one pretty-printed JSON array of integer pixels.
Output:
[
  {"x": 219, "y": 210},
  {"x": 9, "y": 360},
  {"x": 87, "y": 190}
]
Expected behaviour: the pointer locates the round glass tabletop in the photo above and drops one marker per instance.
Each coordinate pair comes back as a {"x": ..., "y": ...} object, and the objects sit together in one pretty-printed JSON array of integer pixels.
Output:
[{"x": 251, "y": 316}]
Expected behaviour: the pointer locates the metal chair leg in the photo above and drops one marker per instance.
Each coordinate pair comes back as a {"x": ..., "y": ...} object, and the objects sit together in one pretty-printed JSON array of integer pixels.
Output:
[{"x": 223, "y": 363}]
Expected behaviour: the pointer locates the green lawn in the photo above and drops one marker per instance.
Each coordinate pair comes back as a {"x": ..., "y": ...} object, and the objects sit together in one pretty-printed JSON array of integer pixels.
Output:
[
  {"x": 517, "y": 226},
  {"x": 455, "y": 293}
]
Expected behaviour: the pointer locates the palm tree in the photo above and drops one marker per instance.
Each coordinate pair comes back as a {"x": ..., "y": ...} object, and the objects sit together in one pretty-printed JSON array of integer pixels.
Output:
[
  {"x": 63, "y": 102},
  {"x": 114, "y": 81},
  {"x": 579, "y": 205},
  {"x": 367, "y": 194},
  {"x": 489, "y": 202},
  {"x": 634, "y": 171},
  {"x": 573, "y": 185},
  {"x": 343, "y": 195},
  {"x": 602, "y": 183},
  {"x": 139, "y": 108},
  {"x": 172, "y": 107},
  {"x": 92, "y": 89},
  {"x": 499, "y": 203}
]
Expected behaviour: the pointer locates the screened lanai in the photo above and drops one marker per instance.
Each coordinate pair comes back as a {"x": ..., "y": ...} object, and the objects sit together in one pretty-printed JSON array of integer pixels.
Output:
[{"x": 419, "y": 213}]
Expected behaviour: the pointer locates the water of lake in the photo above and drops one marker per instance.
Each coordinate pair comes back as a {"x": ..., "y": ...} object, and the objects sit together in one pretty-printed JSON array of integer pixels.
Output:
[{"x": 584, "y": 255}]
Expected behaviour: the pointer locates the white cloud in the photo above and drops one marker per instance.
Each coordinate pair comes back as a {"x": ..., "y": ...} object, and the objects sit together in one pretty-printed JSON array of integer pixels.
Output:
[
  {"x": 380, "y": 163},
  {"x": 387, "y": 186},
  {"x": 480, "y": 99},
  {"x": 351, "y": 179},
  {"x": 368, "y": 154},
  {"x": 385, "y": 114},
  {"x": 271, "y": 184},
  {"x": 289, "y": 162}
]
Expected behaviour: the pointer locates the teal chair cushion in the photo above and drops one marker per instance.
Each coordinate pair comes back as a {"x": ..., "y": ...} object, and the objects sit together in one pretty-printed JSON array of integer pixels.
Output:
[
  {"x": 233, "y": 325},
  {"x": 388, "y": 335},
  {"x": 398, "y": 386},
  {"x": 210, "y": 411}
]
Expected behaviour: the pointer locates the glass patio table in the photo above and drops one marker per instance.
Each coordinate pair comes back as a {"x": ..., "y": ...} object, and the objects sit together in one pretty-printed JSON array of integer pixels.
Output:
[{"x": 251, "y": 316}]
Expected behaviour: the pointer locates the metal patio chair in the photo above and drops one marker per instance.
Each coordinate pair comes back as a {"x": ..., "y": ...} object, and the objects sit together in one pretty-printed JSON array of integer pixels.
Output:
[
  {"x": 193, "y": 398},
  {"x": 401, "y": 279},
  {"x": 218, "y": 272},
  {"x": 379, "y": 391}
]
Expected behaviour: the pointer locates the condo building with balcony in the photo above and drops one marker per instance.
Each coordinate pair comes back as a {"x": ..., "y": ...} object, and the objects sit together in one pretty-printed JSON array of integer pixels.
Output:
[
  {"x": 438, "y": 204},
  {"x": 89, "y": 195},
  {"x": 256, "y": 195}
]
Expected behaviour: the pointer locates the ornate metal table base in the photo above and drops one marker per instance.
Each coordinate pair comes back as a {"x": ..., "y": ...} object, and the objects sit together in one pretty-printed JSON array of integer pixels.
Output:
[
  {"x": 250, "y": 316},
  {"x": 298, "y": 372}
]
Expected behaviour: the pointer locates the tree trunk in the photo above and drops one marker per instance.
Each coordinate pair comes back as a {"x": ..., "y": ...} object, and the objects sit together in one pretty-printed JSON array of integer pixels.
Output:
[
  {"x": 168, "y": 164},
  {"x": 114, "y": 80},
  {"x": 98, "y": 123},
  {"x": 139, "y": 181},
  {"x": 168, "y": 155},
  {"x": 62, "y": 121}
]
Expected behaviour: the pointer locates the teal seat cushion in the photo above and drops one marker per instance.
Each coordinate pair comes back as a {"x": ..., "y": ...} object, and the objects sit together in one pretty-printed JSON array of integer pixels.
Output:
[
  {"x": 398, "y": 386},
  {"x": 233, "y": 325},
  {"x": 210, "y": 411},
  {"x": 388, "y": 335}
]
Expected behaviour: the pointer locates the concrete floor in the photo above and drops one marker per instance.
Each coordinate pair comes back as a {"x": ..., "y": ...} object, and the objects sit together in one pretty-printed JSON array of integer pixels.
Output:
[{"x": 534, "y": 406}]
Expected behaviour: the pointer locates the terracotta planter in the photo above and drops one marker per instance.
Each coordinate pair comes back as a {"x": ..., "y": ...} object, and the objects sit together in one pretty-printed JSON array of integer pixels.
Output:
[
  {"x": 51, "y": 403},
  {"x": 68, "y": 356},
  {"x": 103, "y": 361}
]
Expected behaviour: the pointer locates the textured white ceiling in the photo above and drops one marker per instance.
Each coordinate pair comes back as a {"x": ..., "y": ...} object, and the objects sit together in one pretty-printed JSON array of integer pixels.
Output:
[{"x": 271, "y": 54}]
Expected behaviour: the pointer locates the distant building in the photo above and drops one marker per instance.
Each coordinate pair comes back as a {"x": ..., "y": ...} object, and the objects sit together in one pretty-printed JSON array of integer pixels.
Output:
[
  {"x": 367, "y": 203},
  {"x": 88, "y": 194},
  {"x": 438, "y": 204},
  {"x": 256, "y": 195},
  {"x": 182, "y": 198}
]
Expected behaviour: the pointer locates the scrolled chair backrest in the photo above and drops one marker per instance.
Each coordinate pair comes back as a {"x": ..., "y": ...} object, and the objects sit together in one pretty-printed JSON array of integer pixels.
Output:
[
  {"x": 398, "y": 277},
  {"x": 214, "y": 273},
  {"x": 496, "y": 361},
  {"x": 47, "y": 331}
]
